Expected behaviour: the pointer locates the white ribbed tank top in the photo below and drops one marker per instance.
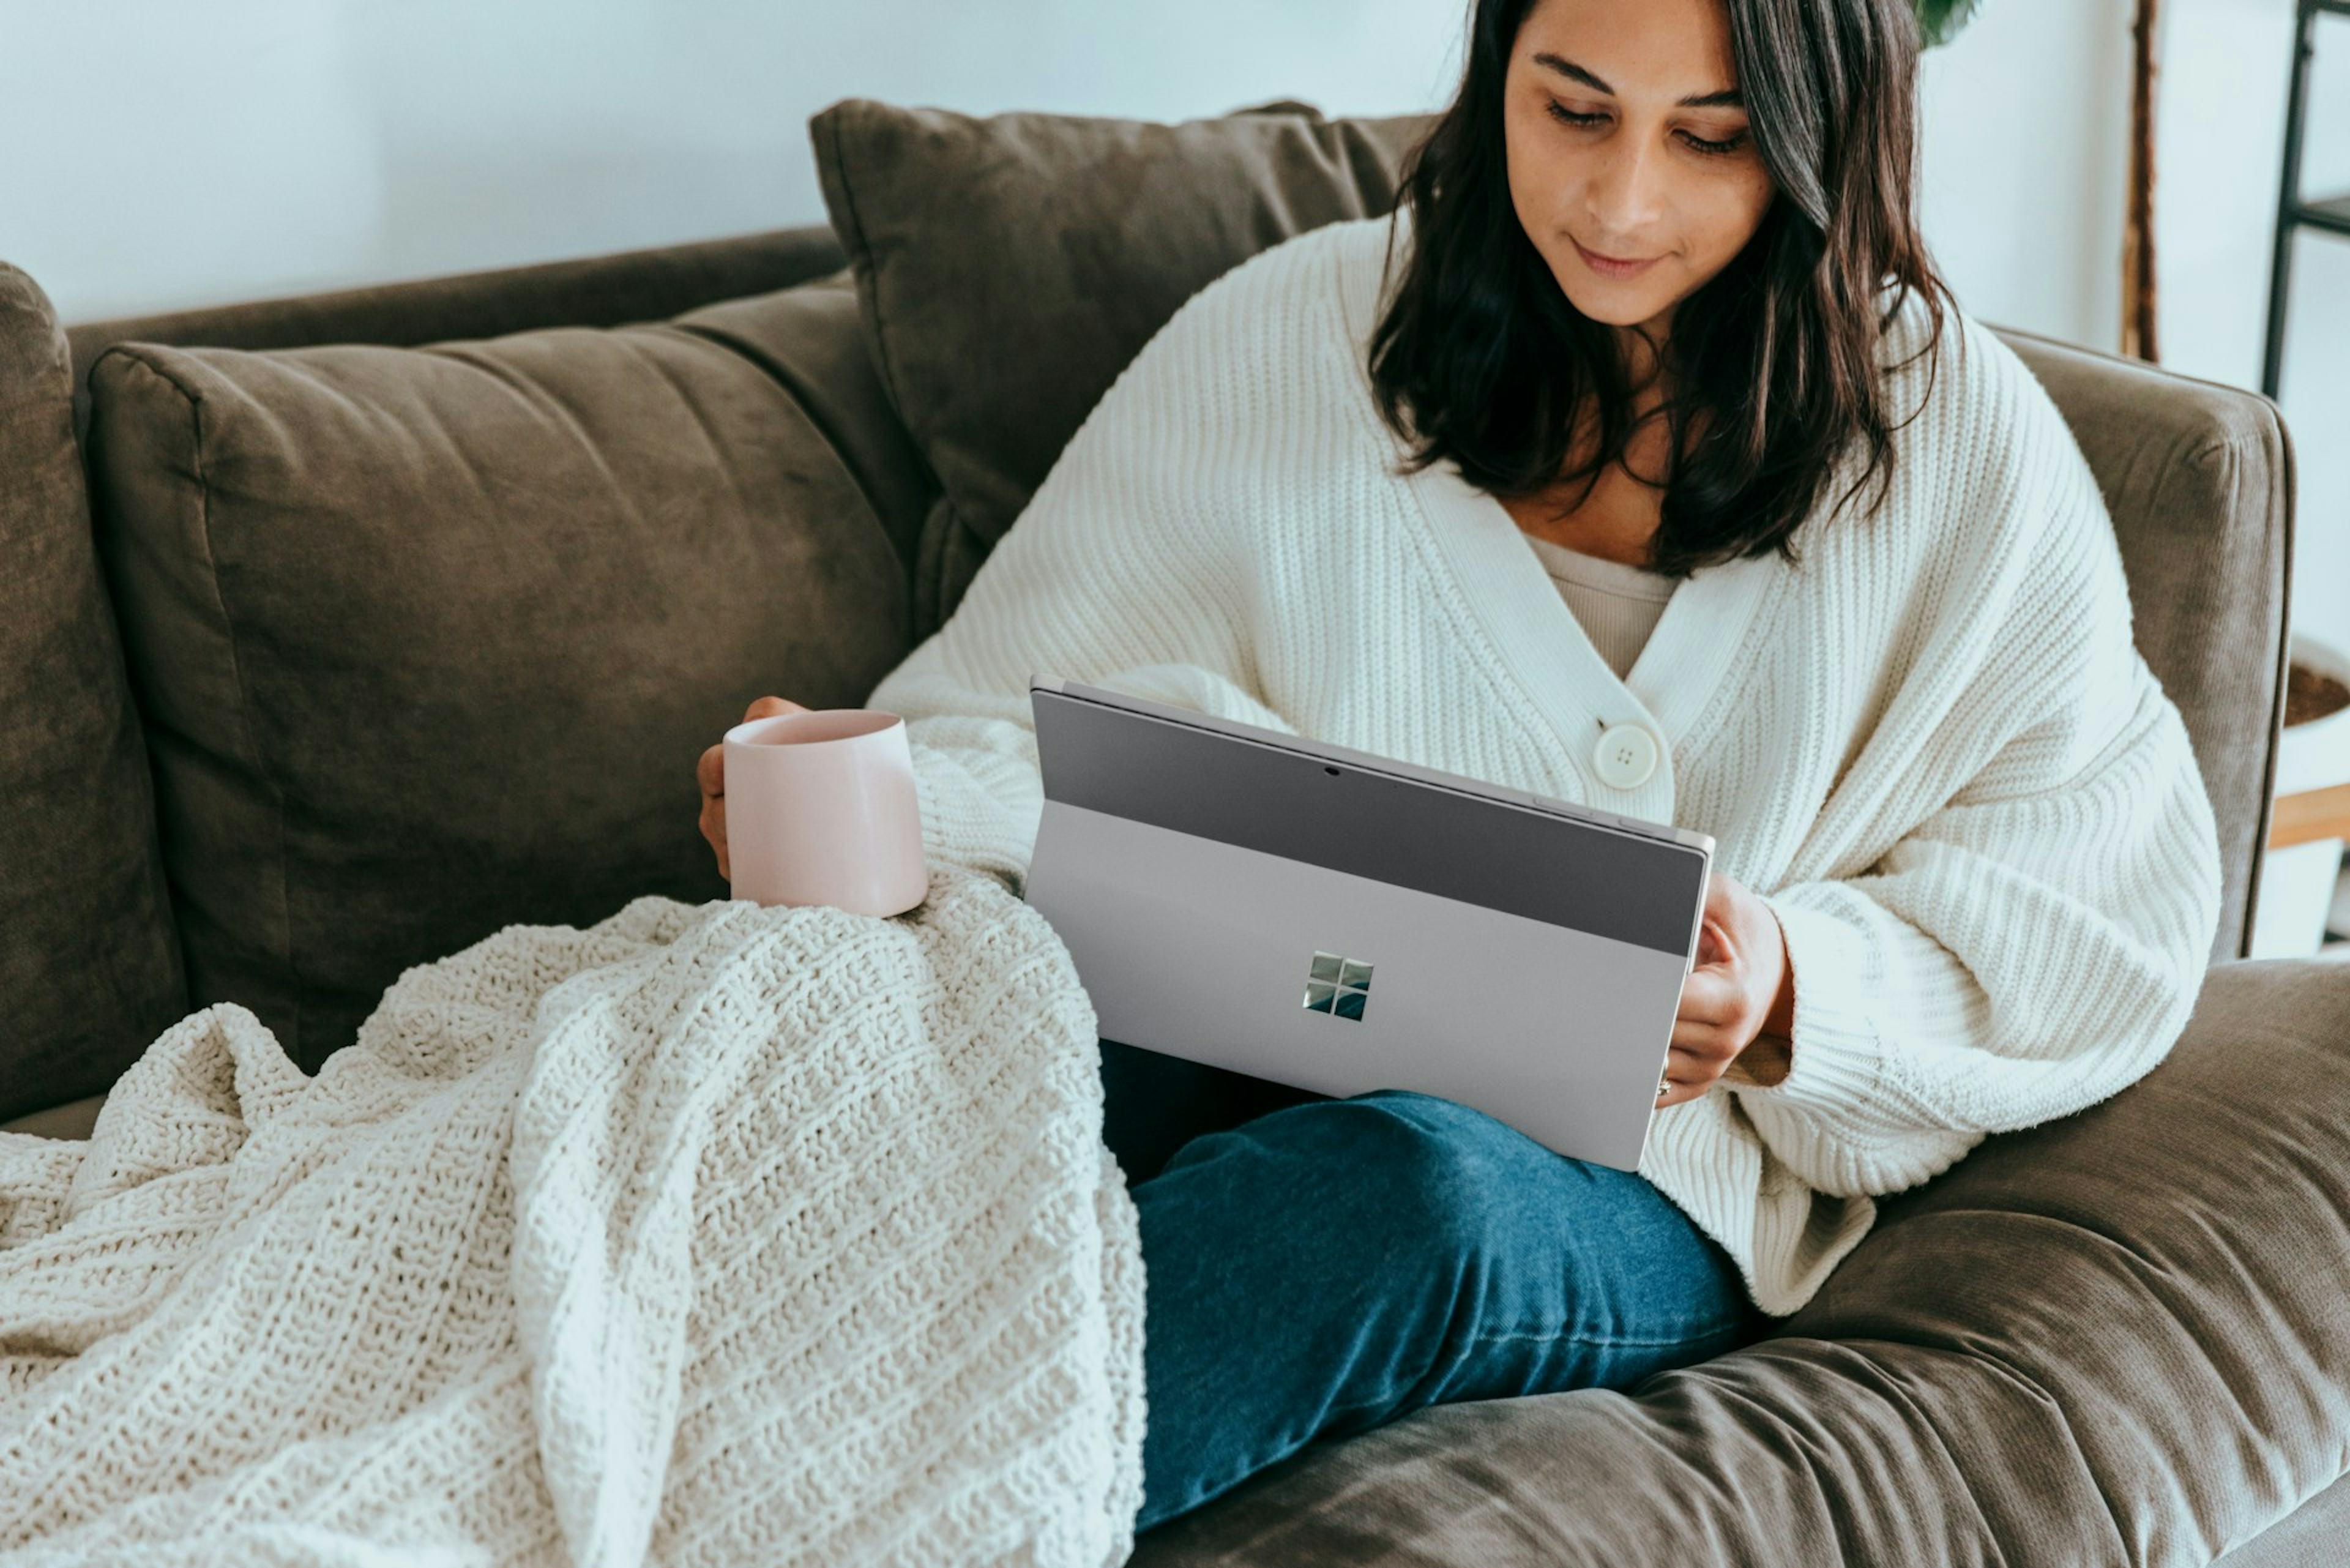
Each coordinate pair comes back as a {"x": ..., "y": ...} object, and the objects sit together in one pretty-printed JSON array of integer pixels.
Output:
[{"x": 1617, "y": 604}]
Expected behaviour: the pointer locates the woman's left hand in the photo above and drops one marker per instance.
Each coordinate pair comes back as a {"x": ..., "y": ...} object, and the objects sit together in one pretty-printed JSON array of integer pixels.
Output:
[{"x": 1739, "y": 997}]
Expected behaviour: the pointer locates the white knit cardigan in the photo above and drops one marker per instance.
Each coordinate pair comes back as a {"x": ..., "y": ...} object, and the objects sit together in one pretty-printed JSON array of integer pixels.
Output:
[{"x": 1932, "y": 746}]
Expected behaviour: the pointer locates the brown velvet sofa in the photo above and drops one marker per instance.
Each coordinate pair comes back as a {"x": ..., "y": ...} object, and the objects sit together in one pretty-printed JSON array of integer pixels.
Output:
[{"x": 323, "y": 654}]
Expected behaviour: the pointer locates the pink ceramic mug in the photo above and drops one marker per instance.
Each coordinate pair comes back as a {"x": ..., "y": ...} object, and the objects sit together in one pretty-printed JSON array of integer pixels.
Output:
[{"x": 820, "y": 809}]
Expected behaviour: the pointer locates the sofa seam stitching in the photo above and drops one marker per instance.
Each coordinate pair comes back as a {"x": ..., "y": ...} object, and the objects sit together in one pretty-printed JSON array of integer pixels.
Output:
[
  {"x": 860, "y": 248},
  {"x": 236, "y": 669}
]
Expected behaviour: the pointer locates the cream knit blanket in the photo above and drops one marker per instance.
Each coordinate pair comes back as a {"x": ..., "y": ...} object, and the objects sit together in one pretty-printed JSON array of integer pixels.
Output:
[{"x": 706, "y": 1234}]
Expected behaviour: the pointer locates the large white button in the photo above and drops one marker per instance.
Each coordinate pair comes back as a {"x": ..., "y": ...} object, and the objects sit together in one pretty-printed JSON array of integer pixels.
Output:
[{"x": 1626, "y": 757}]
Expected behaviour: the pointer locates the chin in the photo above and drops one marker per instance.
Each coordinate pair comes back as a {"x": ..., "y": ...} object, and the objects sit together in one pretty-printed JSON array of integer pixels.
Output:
[
  {"x": 1609, "y": 306},
  {"x": 1612, "y": 313},
  {"x": 1612, "y": 305}
]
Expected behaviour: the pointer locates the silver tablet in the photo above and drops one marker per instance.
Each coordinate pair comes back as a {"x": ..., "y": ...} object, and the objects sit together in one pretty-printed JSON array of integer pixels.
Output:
[{"x": 1343, "y": 922}]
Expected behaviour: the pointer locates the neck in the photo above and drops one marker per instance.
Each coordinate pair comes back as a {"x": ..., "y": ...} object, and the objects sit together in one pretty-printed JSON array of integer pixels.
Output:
[
  {"x": 1642, "y": 348},
  {"x": 1644, "y": 360}
]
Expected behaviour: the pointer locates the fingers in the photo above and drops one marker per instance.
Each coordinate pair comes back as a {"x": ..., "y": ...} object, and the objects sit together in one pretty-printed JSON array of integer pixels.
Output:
[
  {"x": 1711, "y": 998},
  {"x": 710, "y": 773},
  {"x": 1700, "y": 1051},
  {"x": 712, "y": 823},
  {"x": 710, "y": 770},
  {"x": 1709, "y": 943},
  {"x": 1715, "y": 948},
  {"x": 1690, "y": 1072},
  {"x": 1721, "y": 892}
]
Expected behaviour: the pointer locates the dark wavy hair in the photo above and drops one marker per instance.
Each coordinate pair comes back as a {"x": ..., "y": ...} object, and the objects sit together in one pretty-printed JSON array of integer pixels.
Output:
[{"x": 1772, "y": 366}]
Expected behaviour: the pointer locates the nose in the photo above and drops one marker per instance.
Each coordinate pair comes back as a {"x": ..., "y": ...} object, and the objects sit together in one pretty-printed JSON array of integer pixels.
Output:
[{"x": 1625, "y": 193}]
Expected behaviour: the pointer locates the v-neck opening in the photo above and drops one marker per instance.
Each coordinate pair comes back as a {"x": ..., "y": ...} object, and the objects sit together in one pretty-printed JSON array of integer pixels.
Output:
[
  {"x": 1690, "y": 655},
  {"x": 1600, "y": 574}
]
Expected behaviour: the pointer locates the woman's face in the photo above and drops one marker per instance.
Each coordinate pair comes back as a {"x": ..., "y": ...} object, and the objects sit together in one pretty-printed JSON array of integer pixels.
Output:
[{"x": 1631, "y": 165}]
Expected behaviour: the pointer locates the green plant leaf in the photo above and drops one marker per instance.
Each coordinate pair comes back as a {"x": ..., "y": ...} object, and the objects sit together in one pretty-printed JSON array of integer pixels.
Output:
[{"x": 1939, "y": 20}]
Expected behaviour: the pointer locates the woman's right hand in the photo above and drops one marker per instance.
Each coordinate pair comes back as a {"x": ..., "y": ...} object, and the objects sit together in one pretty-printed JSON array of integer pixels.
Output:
[{"x": 712, "y": 773}]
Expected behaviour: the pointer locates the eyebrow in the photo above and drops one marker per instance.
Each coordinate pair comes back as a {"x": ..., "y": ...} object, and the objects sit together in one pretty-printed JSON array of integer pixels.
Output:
[{"x": 1729, "y": 98}]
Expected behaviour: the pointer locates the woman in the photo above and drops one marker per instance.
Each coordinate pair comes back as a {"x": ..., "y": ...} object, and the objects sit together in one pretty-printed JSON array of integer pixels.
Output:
[{"x": 1654, "y": 306}]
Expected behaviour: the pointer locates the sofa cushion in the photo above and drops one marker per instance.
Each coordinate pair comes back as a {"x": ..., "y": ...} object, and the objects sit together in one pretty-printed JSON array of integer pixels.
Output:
[
  {"x": 2121, "y": 1337},
  {"x": 2172, "y": 454},
  {"x": 1011, "y": 266},
  {"x": 429, "y": 640},
  {"x": 90, "y": 965},
  {"x": 75, "y": 1119},
  {"x": 608, "y": 290}
]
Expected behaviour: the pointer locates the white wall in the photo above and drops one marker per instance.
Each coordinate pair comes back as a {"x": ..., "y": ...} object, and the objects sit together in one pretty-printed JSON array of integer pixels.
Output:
[
  {"x": 167, "y": 154},
  {"x": 191, "y": 154},
  {"x": 2023, "y": 124},
  {"x": 250, "y": 146},
  {"x": 2224, "y": 70}
]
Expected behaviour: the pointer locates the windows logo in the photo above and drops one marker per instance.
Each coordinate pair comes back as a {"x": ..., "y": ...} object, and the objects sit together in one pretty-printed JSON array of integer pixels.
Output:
[{"x": 1339, "y": 985}]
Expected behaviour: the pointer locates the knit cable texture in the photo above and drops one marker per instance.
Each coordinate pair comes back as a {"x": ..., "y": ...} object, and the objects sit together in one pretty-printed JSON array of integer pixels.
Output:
[
  {"x": 705, "y": 1234},
  {"x": 1929, "y": 743}
]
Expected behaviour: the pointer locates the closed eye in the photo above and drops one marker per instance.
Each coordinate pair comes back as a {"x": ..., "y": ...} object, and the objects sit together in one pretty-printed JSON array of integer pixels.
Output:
[{"x": 1695, "y": 142}]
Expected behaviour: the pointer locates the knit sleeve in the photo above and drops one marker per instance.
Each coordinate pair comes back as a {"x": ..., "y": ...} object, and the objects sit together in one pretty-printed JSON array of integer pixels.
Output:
[
  {"x": 2032, "y": 946},
  {"x": 2016, "y": 957},
  {"x": 1119, "y": 572}
]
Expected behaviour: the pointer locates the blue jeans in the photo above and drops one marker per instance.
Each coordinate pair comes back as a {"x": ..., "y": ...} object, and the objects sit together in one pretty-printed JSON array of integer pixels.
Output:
[{"x": 1313, "y": 1266}]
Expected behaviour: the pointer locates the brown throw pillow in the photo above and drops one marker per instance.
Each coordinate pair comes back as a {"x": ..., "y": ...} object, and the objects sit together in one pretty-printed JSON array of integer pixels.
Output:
[
  {"x": 1010, "y": 266},
  {"x": 427, "y": 640},
  {"x": 90, "y": 965}
]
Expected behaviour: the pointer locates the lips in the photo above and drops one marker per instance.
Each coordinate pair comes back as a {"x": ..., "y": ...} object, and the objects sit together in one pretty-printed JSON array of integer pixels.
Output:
[{"x": 1611, "y": 266}]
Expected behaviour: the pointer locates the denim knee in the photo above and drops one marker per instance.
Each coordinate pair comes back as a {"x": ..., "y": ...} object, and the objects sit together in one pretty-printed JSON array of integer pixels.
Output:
[
  {"x": 1468, "y": 1205},
  {"x": 1426, "y": 1174},
  {"x": 1327, "y": 1266}
]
